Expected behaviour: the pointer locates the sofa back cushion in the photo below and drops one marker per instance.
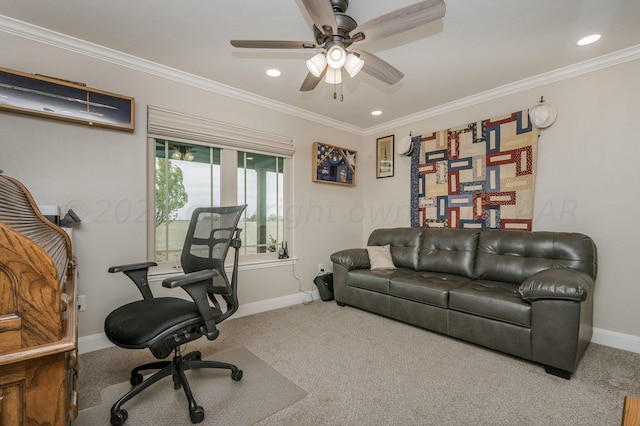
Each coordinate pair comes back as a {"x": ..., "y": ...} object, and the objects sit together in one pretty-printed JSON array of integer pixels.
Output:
[
  {"x": 405, "y": 244},
  {"x": 451, "y": 251},
  {"x": 512, "y": 256}
]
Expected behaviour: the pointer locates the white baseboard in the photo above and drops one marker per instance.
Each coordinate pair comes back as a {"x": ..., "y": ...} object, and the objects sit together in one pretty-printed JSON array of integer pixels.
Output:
[
  {"x": 99, "y": 341},
  {"x": 617, "y": 340}
]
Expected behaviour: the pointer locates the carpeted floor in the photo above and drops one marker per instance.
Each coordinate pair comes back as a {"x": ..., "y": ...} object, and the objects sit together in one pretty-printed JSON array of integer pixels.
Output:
[
  {"x": 260, "y": 394},
  {"x": 362, "y": 369}
]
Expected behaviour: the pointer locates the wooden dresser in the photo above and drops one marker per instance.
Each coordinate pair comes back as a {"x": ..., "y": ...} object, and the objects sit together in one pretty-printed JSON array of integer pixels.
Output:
[{"x": 38, "y": 315}]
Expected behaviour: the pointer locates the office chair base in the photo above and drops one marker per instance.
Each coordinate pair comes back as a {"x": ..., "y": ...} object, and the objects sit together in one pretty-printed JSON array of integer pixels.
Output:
[{"x": 176, "y": 368}]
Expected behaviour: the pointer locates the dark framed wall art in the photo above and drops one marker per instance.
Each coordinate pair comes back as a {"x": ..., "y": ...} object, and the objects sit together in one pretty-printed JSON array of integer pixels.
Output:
[
  {"x": 333, "y": 164},
  {"x": 384, "y": 156},
  {"x": 64, "y": 100}
]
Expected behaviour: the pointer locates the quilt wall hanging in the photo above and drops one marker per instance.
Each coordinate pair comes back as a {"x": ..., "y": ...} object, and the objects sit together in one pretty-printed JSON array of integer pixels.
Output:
[{"x": 477, "y": 176}]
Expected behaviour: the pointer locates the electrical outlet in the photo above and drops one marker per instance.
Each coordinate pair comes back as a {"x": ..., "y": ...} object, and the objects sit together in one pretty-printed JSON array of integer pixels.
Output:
[
  {"x": 320, "y": 268},
  {"x": 81, "y": 303}
]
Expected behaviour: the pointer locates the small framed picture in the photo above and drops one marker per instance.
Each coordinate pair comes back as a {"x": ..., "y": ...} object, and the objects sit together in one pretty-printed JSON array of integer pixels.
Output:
[
  {"x": 384, "y": 157},
  {"x": 334, "y": 164}
]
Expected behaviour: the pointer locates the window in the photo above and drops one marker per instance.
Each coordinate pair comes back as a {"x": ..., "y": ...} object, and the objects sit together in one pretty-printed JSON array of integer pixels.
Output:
[
  {"x": 196, "y": 161},
  {"x": 260, "y": 187},
  {"x": 186, "y": 176}
]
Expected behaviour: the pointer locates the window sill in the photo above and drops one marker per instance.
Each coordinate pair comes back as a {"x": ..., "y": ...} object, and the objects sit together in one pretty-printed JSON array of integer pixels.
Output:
[{"x": 157, "y": 274}]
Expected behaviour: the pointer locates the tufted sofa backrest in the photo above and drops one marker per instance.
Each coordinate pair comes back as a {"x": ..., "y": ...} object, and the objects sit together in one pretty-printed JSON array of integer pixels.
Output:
[
  {"x": 512, "y": 255},
  {"x": 451, "y": 251},
  {"x": 405, "y": 244}
]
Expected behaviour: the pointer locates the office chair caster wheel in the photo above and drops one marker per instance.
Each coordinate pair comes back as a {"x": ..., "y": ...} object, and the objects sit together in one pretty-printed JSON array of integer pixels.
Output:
[
  {"x": 119, "y": 417},
  {"x": 236, "y": 375},
  {"x": 197, "y": 414},
  {"x": 136, "y": 379}
]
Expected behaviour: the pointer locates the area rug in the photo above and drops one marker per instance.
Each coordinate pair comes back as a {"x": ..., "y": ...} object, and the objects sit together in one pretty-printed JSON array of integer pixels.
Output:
[
  {"x": 262, "y": 392},
  {"x": 477, "y": 176}
]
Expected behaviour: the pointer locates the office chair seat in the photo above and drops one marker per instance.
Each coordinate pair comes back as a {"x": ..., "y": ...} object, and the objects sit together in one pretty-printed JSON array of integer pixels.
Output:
[
  {"x": 139, "y": 324},
  {"x": 164, "y": 324}
]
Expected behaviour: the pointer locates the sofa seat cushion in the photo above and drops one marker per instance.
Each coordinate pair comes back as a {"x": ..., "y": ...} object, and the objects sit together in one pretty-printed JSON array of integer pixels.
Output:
[
  {"x": 491, "y": 299},
  {"x": 431, "y": 288},
  {"x": 377, "y": 280}
]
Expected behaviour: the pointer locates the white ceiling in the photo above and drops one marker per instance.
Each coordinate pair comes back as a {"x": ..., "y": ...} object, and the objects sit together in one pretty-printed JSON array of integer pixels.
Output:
[{"x": 479, "y": 45}]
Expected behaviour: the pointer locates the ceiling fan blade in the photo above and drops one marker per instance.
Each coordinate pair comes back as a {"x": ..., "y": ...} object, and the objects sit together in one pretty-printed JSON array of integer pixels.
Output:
[
  {"x": 311, "y": 81},
  {"x": 379, "y": 68},
  {"x": 321, "y": 13},
  {"x": 402, "y": 20},
  {"x": 273, "y": 44}
]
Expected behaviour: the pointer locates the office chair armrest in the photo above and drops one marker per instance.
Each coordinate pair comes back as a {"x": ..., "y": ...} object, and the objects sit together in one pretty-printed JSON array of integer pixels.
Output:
[
  {"x": 132, "y": 267},
  {"x": 196, "y": 284},
  {"x": 138, "y": 273},
  {"x": 193, "y": 277}
]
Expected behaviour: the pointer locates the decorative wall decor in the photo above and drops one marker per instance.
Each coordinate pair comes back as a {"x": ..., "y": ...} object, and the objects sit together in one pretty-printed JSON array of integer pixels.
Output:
[
  {"x": 480, "y": 175},
  {"x": 332, "y": 164},
  {"x": 384, "y": 157},
  {"x": 64, "y": 100}
]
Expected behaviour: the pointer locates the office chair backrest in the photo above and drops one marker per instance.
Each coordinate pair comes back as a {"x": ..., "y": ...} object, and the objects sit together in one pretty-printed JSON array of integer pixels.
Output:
[{"x": 211, "y": 232}]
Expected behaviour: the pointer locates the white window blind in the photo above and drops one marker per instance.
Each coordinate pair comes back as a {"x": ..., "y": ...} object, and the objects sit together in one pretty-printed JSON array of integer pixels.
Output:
[{"x": 166, "y": 124}]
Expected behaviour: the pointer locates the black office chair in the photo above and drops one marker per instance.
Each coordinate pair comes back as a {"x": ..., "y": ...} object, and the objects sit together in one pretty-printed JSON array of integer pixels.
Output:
[{"x": 163, "y": 324}]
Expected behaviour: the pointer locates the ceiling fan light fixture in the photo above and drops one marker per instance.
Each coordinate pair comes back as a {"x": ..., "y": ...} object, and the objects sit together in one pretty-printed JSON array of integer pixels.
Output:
[
  {"x": 334, "y": 31},
  {"x": 333, "y": 76},
  {"x": 317, "y": 64},
  {"x": 353, "y": 65},
  {"x": 182, "y": 153},
  {"x": 336, "y": 56}
]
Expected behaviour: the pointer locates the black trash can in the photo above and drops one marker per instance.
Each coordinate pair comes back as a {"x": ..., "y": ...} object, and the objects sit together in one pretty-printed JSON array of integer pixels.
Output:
[{"x": 324, "y": 283}]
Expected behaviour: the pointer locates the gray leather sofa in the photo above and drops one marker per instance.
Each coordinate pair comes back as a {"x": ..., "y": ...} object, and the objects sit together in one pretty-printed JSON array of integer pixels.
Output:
[{"x": 528, "y": 294}]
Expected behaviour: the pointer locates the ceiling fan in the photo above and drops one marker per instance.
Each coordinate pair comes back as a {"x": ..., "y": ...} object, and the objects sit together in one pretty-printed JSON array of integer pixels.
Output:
[{"x": 335, "y": 32}]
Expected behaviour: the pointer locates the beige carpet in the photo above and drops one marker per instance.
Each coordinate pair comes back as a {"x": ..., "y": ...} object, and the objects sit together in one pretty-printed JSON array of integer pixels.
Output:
[
  {"x": 362, "y": 369},
  {"x": 261, "y": 392}
]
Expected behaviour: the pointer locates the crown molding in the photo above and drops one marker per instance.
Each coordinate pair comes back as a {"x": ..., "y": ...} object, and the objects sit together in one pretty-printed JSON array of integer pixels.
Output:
[
  {"x": 63, "y": 41},
  {"x": 604, "y": 61}
]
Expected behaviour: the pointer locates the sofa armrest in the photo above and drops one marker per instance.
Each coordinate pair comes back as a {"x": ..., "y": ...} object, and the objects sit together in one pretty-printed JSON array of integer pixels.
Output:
[
  {"x": 557, "y": 283},
  {"x": 352, "y": 258}
]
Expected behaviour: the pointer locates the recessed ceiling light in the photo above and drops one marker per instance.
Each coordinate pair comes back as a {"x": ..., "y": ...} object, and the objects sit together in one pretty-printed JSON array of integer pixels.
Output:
[
  {"x": 589, "y": 39},
  {"x": 272, "y": 72},
  {"x": 377, "y": 112}
]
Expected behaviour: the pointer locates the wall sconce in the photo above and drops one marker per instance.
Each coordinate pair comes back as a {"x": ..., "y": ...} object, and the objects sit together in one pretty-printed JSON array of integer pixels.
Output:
[
  {"x": 405, "y": 146},
  {"x": 542, "y": 115}
]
